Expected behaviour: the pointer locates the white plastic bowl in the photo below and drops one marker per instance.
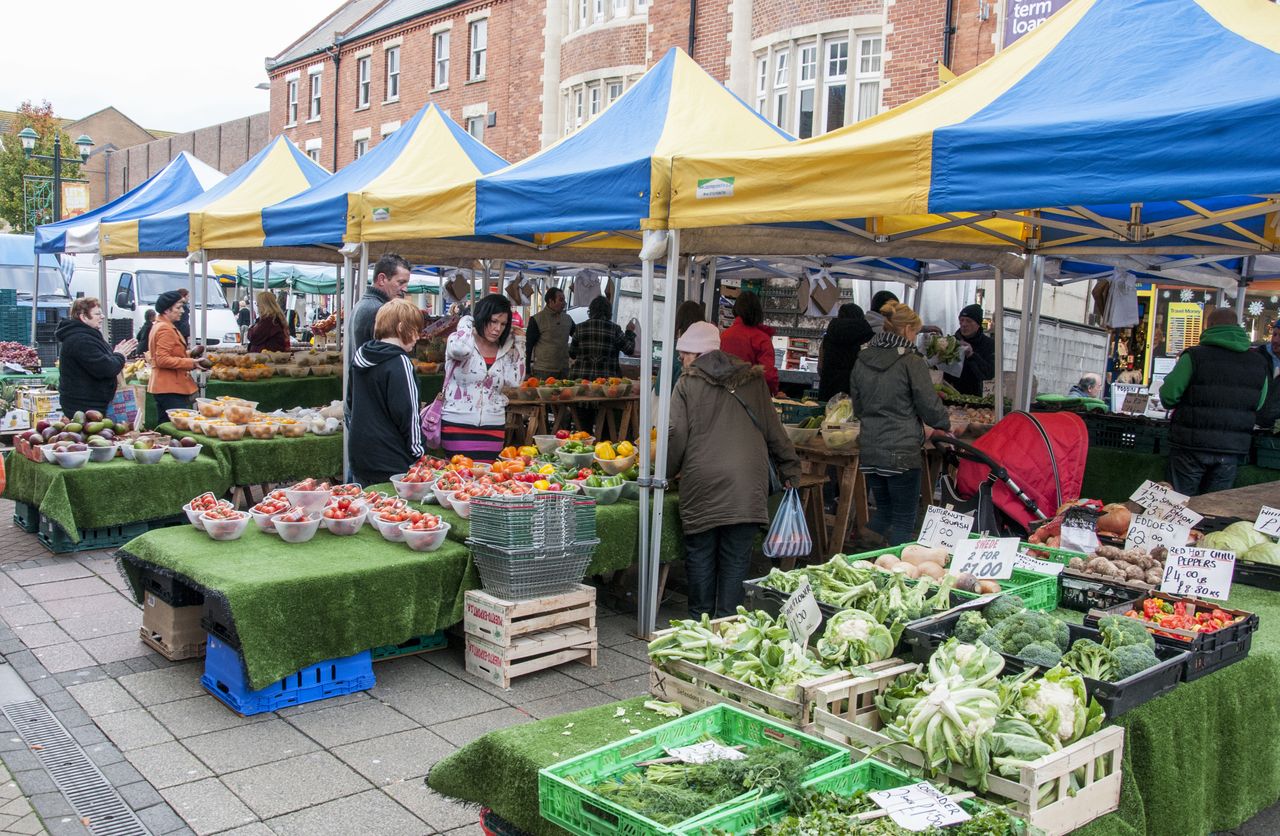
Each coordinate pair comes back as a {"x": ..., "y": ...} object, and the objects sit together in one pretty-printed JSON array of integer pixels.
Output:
[
  {"x": 460, "y": 507},
  {"x": 548, "y": 443},
  {"x": 73, "y": 460},
  {"x": 390, "y": 531},
  {"x": 151, "y": 456},
  {"x": 297, "y": 532},
  {"x": 185, "y": 454},
  {"x": 263, "y": 521},
  {"x": 344, "y": 528},
  {"x": 225, "y": 529},
  {"x": 576, "y": 459},
  {"x": 102, "y": 454},
  {"x": 424, "y": 541},
  {"x": 195, "y": 517},
  {"x": 308, "y": 501},
  {"x": 603, "y": 496},
  {"x": 126, "y": 450},
  {"x": 444, "y": 497},
  {"x": 412, "y": 491},
  {"x": 612, "y": 467}
]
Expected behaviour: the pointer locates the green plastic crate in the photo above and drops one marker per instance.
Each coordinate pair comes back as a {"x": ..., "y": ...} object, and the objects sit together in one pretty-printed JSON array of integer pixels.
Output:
[
  {"x": 1039, "y": 592},
  {"x": 59, "y": 542},
  {"x": 564, "y": 798},
  {"x": 417, "y": 644},
  {"x": 869, "y": 775},
  {"x": 1267, "y": 449},
  {"x": 26, "y": 517}
]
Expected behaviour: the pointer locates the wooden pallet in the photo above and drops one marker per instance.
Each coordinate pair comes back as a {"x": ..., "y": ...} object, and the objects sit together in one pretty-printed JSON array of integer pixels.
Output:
[
  {"x": 508, "y": 639},
  {"x": 174, "y": 653},
  {"x": 846, "y": 713}
]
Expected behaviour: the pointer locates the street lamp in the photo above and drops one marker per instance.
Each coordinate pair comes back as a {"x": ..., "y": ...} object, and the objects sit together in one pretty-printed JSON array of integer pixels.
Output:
[{"x": 84, "y": 145}]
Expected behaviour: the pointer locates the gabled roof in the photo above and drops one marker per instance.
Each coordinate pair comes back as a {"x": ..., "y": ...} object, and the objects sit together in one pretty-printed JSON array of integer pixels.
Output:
[
  {"x": 393, "y": 12},
  {"x": 325, "y": 32}
]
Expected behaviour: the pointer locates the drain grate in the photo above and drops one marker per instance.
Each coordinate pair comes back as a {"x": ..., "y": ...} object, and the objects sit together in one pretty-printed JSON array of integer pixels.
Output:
[{"x": 90, "y": 793}]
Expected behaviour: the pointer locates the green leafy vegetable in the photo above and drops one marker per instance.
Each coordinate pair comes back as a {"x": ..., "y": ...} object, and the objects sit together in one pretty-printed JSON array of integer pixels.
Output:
[{"x": 854, "y": 638}]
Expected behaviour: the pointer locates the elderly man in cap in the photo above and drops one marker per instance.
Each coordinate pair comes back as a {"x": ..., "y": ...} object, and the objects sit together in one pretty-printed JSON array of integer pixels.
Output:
[
  {"x": 979, "y": 352},
  {"x": 724, "y": 431},
  {"x": 171, "y": 381}
]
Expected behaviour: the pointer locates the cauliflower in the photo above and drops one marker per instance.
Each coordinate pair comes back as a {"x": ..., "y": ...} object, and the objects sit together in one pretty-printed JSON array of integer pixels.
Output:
[
  {"x": 855, "y": 637},
  {"x": 1055, "y": 704},
  {"x": 1058, "y": 707}
]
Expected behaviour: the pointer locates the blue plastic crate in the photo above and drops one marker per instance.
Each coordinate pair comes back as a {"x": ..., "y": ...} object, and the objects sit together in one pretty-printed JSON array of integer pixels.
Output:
[{"x": 224, "y": 677}]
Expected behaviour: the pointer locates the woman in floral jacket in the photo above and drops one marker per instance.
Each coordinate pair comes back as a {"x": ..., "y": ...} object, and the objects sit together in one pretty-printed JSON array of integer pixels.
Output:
[{"x": 480, "y": 361}]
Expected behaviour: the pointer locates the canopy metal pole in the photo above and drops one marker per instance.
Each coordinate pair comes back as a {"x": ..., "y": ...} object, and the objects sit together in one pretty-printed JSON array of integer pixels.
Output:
[
  {"x": 102, "y": 298},
  {"x": 191, "y": 292},
  {"x": 341, "y": 271},
  {"x": 35, "y": 300},
  {"x": 1246, "y": 271},
  {"x": 204, "y": 298},
  {"x": 664, "y": 417},
  {"x": 346, "y": 283},
  {"x": 646, "y": 614},
  {"x": 997, "y": 328},
  {"x": 708, "y": 290},
  {"x": 1033, "y": 328}
]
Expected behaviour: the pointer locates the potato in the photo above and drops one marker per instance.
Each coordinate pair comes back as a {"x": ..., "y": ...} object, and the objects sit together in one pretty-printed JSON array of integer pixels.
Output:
[
  {"x": 1076, "y": 563},
  {"x": 930, "y": 569},
  {"x": 916, "y": 554},
  {"x": 886, "y": 562},
  {"x": 987, "y": 587},
  {"x": 904, "y": 568}
]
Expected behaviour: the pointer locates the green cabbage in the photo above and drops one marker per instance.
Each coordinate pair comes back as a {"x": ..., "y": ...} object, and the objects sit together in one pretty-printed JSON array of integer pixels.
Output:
[
  {"x": 1267, "y": 552},
  {"x": 1238, "y": 537}
]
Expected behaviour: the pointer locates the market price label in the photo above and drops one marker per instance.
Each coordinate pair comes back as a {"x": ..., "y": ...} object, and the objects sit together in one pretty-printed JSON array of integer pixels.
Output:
[
  {"x": 1148, "y": 493},
  {"x": 944, "y": 528},
  {"x": 705, "y": 752},
  {"x": 1268, "y": 521},
  {"x": 1177, "y": 514},
  {"x": 1200, "y": 573},
  {"x": 1079, "y": 531},
  {"x": 1146, "y": 532},
  {"x": 919, "y": 807},
  {"x": 988, "y": 388},
  {"x": 1135, "y": 403},
  {"x": 1120, "y": 391},
  {"x": 1035, "y": 564},
  {"x": 986, "y": 557},
  {"x": 801, "y": 612}
]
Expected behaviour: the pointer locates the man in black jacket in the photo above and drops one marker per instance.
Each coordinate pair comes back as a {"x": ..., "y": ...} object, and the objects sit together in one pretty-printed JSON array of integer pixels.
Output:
[
  {"x": 88, "y": 367},
  {"x": 979, "y": 352}
]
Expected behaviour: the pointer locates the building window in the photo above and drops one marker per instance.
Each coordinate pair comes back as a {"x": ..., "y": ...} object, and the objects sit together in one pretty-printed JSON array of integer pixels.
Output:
[
  {"x": 479, "y": 48},
  {"x": 621, "y": 8},
  {"x": 568, "y": 115},
  {"x": 578, "y": 108},
  {"x": 441, "y": 77},
  {"x": 362, "y": 81},
  {"x": 762, "y": 84},
  {"x": 292, "y": 94},
  {"x": 316, "y": 91},
  {"x": 361, "y": 148},
  {"x": 640, "y": 4},
  {"x": 835, "y": 84},
  {"x": 314, "y": 154},
  {"x": 393, "y": 74},
  {"x": 584, "y": 14},
  {"x": 597, "y": 10},
  {"x": 869, "y": 55},
  {"x": 870, "y": 71},
  {"x": 593, "y": 98},
  {"x": 475, "y": 127},
  {"x": 805, "y": 90},
  {"x": 612, "y": 91},
  {"x": 781, "y": 86}
]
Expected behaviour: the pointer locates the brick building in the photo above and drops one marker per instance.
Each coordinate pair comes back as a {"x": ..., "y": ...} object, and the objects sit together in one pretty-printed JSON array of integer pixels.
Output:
[{"x": 519, "y": 74}]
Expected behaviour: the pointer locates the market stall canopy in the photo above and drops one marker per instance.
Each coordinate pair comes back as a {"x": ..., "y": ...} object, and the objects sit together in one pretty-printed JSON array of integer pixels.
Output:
[
  {"x": 609, "y": 175},
  {"x": 1109, "y": 104},
  {"x": 184, "y": 178},
  {"x": 276, "y": 172}
]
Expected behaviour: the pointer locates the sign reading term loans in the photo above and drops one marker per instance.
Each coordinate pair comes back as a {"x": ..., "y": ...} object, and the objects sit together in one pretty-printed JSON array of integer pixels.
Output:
[{"x": 1021, "y": 16}]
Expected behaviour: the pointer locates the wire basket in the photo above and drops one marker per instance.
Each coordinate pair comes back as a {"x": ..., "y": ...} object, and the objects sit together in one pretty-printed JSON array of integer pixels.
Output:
[
  {"x": 531, "y": 573},
  {"x": 584, "y": 519},
  {"x": 532, "y": 521}
]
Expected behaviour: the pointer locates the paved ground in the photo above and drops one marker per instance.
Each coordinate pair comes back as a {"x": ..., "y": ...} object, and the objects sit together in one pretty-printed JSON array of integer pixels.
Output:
[{"x": 186, "y": 764}]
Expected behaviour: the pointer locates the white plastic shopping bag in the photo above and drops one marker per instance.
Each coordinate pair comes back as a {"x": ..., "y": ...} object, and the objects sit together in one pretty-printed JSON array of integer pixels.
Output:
[{"x": 788, "y": 533}]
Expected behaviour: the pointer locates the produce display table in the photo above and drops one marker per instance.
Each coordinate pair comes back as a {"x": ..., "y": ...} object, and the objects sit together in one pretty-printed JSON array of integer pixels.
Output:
[
  {"x": 288, "y": 392},
  {"x": 617, "y": 527},
  {"x": 1197, "y": 760},
  {"x": 851, "y": 488},
  {"x": 252, "y": 461},
  {"x": 117, "y": 492},
  {"x": 297, "y": 604},
  {"x": 1113, "y": 475},
  {"x": 615, "y": 418},
  {"x": 1243, "y": 503}
]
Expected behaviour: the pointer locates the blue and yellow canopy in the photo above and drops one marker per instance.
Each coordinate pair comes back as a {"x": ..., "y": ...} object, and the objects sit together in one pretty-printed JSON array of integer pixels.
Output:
[
  {"x": 182, "y": 179},
  {"x": 1108, "y": 102},
  {"x": 610, "y": 175},
  {"x": 203, "y": 222}
]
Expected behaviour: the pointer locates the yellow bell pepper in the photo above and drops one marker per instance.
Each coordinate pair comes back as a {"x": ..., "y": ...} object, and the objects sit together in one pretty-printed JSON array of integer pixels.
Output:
[{"x": 604, "y": 452}]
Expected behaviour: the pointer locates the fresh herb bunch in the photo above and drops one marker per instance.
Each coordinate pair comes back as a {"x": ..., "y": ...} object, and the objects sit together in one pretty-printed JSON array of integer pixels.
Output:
[{"x": 825, "y": 814}]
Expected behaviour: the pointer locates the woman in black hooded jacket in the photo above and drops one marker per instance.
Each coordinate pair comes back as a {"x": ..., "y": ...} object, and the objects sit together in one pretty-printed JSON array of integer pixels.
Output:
[
  {"x": 845, "y": 337},
  {"x": 87, "y": 365}
]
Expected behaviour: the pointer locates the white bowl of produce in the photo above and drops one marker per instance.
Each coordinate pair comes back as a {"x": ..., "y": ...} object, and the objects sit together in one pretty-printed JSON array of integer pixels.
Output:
[
  {"x": 424, "y": 541},
  {"x": 297, "y": 532},
  {"x": 185, "y": 454},
  {"x": 73, "y": 459},
  {"x": 101, "y": 455},
  {"x": 389, "y": 529},
  {"x": 307, "y": 500},
  {"x": 345, "y": 526},
  {"x": 220, "y": 528},
  {"x": 412, "y": 491},
  {"x": 151, "y": 456}
]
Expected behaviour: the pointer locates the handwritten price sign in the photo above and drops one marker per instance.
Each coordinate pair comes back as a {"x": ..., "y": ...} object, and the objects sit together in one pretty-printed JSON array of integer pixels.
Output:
[
  {"x": 1146, "y": 532},
  {"x": 1035, "y": 564},
  {"x": 1268, "y": 521},
  {"x": 1135, "y": 403},
  {"x": 1149, "y": 493},
  {"x": 1177, "y": 514},
  {"x": 801, "y": 612},
  {"x": 1201, "y": 573},
  {"x": 987, "y": 557},
  {"x": 919, "y": 807},
  {"x": 944, "y": 529}
]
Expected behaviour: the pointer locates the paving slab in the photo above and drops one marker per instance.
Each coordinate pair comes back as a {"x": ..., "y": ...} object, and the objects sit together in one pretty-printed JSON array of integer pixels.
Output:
[
  {"x": 102, "y": 624},
  {"x": 395, "y": 757},
  {"x": 115, "y": 648},
  {"x": 463, "y": 731},
  {"x": 241, "y": 747},
  {"x": 611, "y": 666},
  {"x": 275, "y": 789},
  {"x": 106, "y": 696},
  {"x": 200, "y": 715},
  {"x": 21, "y": 615},
  {"x": 80, "y": 587},
  {"x": 86, "y": 605},
  {"x": 439, "y": 811},
  {"x": 566, "y": 702},
  {"x": 48, "y": 574},
  {"x": 168, "y": 765},
  {"x": 133, "y": 729},
  {"x": 162, "y": 685},
  {"x": 368, "y": 812},
  {"x": 208, "y": 806},
  {"x": 433, "y": 696},
  {"x": 59, "y": 658},
  {"x": 348, "y": 723}
]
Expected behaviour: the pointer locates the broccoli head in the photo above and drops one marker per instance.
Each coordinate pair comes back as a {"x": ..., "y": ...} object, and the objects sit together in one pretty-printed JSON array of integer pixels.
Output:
[
  {"x": 1133, "y": 659},
  {"x": 1120, "y": 630},
  {"x": 1088, "y": 658},
  {"x": 970, "y": 626},
  {"x": 1021, "y": 629},
  {"x": 1042, "y": 654},
  {"x": 991, "y": 638},
  {"x": 1003, "y": 607}
]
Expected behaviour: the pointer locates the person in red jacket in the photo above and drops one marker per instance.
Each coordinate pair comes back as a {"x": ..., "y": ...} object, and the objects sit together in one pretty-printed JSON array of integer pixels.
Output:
[{"x": 749, "y": 339}]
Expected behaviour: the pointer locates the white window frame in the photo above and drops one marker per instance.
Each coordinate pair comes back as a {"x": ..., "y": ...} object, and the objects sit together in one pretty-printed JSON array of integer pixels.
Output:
[
  {"x": 762, "y": 85},
  {"x": 609, "y": 86},
  {"x": 312, "y": 149},
  {"x": 291, "y": 102},
  {"x": 579, "y": 107},
  {"x": 870, "y": 80},
  {"x": 315, "y": 96},
  {"x": 566, "y": 102},
  {"x": 391, "y": 74},
  {"x": 314, "y": 155},
  {"x": 364, "y": 80},
  {"x": 781, "y": 86},
  {"x": 440, "y": 60},
  {"x": 474, "y": 125},
  {"x": 621, "y": 8},
  {"x": 595, "y": 100},
  {"x": 478, "y": 41},
  {"x": 806, "y": 80},
  {"x": 597, "y": 11},
  {"x": 831, "y": 64},
  {"x": 870, "y": 61},
  {"x": 641, "y": 4},
  {"x": 360, "y": 147},
  {"x": 583, "y": 14}
]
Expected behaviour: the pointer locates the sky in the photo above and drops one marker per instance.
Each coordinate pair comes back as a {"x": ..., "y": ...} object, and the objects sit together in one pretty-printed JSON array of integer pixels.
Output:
[{"x": 157, "y": 61}]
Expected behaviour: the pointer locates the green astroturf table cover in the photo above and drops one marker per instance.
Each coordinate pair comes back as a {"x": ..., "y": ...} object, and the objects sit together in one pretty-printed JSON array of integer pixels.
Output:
[
  {"x": 252, "y": 461},
  {"x": 117, "y": 492},
  {"x": 1203, "y": 758},
  {"x": 295, "y": 604}
]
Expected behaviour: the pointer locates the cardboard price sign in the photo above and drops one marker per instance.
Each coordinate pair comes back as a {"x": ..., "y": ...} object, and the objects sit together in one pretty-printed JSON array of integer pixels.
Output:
[
  {"x": 919, "y": 807},
  {"x": 1199, "y": 573},
  {"x": 988, "y": 388},
  {"x": 1177, "y": 514},
  {"x": 1268, "y": 521},
  {"x": 1135, "y": 403},
  {"x": 801, "y": 612},
  {"x": 986, "y": 557},
  {"x": 944, "y": 529},
  {"x": 1149, "y": 493},
  {"x": 1146, "y": 532}
]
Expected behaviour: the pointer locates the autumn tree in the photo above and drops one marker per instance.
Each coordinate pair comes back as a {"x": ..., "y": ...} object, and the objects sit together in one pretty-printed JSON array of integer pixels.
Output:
[{"x": 14, "y": 165}]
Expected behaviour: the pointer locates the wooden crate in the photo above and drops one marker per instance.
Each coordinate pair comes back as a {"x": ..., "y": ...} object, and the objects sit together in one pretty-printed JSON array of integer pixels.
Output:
[
  {"x": 846, "y": 713},
  {"x": 173, "y": 632},
  {"x": 500, "y": 623},
  {"x": 507, "y": 639}
]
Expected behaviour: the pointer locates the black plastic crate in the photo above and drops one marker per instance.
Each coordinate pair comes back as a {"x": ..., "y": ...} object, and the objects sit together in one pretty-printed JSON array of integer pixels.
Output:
[
  {"x": 1083, "y": 593},
  {"x": 1204, "y": 664},
  {"x": 1266, "y": 450},
  {"x": 1261, "y": 575},
  {"x": 26, "y": 517},
  {"x": 1140, "y": 435},
  {"x": 216, "y": 618},
  {"x": 924, "y": 637},
  {"x": 55, "y": 539},
  {"x": 172, "y": 590}
]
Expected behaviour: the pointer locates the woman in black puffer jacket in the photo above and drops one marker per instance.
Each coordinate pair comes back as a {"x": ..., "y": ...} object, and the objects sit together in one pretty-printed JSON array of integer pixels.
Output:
[{"x": 87, "y": 366}]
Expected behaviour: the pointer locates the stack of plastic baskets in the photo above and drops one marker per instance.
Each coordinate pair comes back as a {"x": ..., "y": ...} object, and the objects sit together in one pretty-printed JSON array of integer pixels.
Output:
[{"x": 530, "y": 546}]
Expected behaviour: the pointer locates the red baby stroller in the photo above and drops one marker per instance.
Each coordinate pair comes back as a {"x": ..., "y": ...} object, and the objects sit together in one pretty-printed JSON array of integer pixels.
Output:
[{"x": 1021, "y": 471}]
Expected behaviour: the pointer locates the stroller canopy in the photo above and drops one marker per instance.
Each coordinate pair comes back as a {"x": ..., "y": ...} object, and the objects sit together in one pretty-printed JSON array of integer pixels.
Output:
[{"x": 1044, "y": 454}]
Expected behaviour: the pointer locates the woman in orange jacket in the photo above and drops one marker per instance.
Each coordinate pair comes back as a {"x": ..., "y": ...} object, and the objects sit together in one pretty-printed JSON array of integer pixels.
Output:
[{"x": 171, "y": 381}]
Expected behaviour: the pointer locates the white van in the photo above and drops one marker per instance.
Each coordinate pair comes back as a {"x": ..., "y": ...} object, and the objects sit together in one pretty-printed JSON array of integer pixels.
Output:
[{"x": 133, "y": 286}]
